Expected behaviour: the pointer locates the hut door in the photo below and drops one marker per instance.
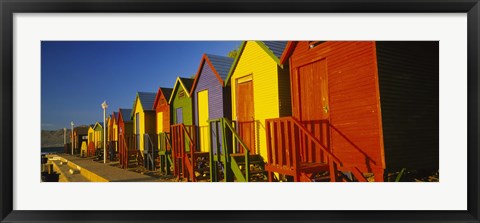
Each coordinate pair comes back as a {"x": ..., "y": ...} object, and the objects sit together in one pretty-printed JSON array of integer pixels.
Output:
[
  {"x": 159, "y": 122},
  {"x": 179, "y": 113},
  {"x": 202, "y": 120},
  {"x": 313, "y": 106},
  {"x": 245, "y": 114}
]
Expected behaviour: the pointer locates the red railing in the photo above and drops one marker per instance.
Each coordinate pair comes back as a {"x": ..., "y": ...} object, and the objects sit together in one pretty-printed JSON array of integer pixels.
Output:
[
  {"x": 126, "y": 149},
  {"x": 291, "y": 143},
  {"x": 184, "y": 142}
]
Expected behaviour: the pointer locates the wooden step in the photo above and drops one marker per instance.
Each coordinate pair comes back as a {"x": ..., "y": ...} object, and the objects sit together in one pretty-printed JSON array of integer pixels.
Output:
[
  {"x": 255, "y": 171},
  {"x": 253, "y": 159},
  {"x": 202, "y": 169}
]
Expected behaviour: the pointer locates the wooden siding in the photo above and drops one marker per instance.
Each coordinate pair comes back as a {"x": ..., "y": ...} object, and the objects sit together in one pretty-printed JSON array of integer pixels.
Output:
[
  {"x": 208, "y": 80},
  {"x": 146, "y": 123},
  {"x": 183, "y": 102},
  {"x": 164, "y": 108},
  {"x": 409, "y": 85},
  {"x": 126, "y": 127},
  {"x": 218, "y": 97},
  {"x": 109, "y": 125},
  {"x": 264, "y": 70},
  {"x": 98, "y": 136},
  {"x": 356, "y": 136}
]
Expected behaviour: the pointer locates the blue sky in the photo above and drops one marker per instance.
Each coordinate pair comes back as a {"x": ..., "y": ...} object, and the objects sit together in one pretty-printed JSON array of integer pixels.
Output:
[{"x": 77, "y": 76}]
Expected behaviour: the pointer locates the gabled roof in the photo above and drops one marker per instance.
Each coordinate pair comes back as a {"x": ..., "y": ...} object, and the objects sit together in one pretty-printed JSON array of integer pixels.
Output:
[
  {"x": 167, "y": 92},
  {"x": 98, "y": 124},
  {"x": 288, "y": 51},
  {"x": 276, "y": 47},
  {"x": 146, "y": 100},
  {"x": 125, "y": 113},
  {"x": 272, "y": 48},
  {"x": 291, "y": 46},
  {"x": 81, "y": 130},
  {"x": 185, "y": 83},
  {"x": 220, "y": 66}
]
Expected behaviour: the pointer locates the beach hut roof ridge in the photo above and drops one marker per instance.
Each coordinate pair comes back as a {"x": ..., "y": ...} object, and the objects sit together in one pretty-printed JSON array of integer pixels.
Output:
[
  {"x": 125, "y": 113},
  {"x": 167, "y": 92},
  {"x": 186, "y": 83},
  {"x": 277, "y": 47},
  {"x": 146, "y": 100},
  {"x": 220, "y": 65},
  {"x": 272, "y": 48}
]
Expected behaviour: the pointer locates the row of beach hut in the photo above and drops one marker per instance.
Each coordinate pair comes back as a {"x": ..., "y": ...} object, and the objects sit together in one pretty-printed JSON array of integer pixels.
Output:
[{"x": 285, "y": 111}]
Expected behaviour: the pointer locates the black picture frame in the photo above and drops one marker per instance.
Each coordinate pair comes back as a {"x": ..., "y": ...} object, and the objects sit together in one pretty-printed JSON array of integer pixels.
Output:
[{"x": 9, "y": 7}]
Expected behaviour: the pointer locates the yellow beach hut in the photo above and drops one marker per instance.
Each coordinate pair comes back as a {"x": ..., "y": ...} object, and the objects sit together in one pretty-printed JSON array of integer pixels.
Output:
[
  {"x": 144, "y": 120},
  {"x": 112, "y": 130},
  {"x": 98, "y": 136},
  {"x": 91, "y": 141},
  {"x": 260, "y": 89}
]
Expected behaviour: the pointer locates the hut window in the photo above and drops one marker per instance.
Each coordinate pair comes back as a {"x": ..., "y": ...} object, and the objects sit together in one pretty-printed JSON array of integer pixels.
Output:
[{"x": 181, "y": 94}]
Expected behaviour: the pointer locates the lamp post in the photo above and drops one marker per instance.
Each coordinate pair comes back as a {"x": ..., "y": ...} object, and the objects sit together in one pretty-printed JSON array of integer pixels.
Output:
[
  {"x": 104, "y": 106},
  {"x": 72, "y": 124}
]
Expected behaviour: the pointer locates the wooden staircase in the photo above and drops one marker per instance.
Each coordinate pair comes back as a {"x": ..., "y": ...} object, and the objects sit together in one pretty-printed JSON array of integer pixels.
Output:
[
  {"x": 189, "y": 164},
  {"x": 295, "y": 153},
  {"x": 127, "y": 152},
  {"x": 229, "y": 165},
  {"x": 150, "y": 152},
  {"x": 165, "y": 161},
  {"x": 256, "y": 168}
]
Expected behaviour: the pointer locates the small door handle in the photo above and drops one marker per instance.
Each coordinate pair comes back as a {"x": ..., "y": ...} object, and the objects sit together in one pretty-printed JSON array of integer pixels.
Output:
[{"x": 325, "y": 108}]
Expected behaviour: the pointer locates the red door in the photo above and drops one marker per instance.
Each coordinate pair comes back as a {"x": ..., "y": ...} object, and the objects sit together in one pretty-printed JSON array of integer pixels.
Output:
[
  {"x": 245, "y": 115},
  {"x": 314, "y": 108}
]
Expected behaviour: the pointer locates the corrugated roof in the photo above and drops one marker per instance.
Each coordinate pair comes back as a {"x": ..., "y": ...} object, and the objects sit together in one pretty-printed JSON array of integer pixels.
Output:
[
  {"x": 187, "y": 83},
  {"x": 147, "y": 99},
  {"x": 277, "y": 47},
  {"x": 126, "y": 114},
  {"x": 221, "y": 64}
]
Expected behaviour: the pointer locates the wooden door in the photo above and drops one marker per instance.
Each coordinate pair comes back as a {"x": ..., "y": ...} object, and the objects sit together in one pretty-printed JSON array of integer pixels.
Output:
[
  {"x": 314, "y": 107},
  {"x": 245, "y": 114},
  {"x": 202, "y": 107}
]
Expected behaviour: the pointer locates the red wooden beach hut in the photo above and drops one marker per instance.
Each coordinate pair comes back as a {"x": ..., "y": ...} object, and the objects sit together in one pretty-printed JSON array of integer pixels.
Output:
[
  {"x": 126, "y": 138},
  {"x": 163, "y": 110},
  {"x": 358, "y": 108}
]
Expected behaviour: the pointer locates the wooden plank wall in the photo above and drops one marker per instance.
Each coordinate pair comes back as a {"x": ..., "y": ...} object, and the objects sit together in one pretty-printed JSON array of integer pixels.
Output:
[
  {"x": 409, "y": 87},
  {"x": 353, "y": 101}
]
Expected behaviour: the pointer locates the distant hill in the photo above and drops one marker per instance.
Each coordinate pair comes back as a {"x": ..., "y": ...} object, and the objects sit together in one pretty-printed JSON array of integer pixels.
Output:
[{"x": 53, "y": 138}]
